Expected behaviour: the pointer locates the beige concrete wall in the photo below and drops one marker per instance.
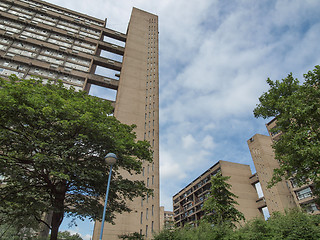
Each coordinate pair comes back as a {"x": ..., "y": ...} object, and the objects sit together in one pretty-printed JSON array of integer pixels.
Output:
[
  {"x": 135, "y": 100},
  {"x": 161, "y": 218},
  {"x": 241, "y": 186},
  {"x": 278, "y": 198}
]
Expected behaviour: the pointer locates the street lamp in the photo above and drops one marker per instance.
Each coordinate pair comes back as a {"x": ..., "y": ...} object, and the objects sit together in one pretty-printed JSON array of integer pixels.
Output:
[{"x": 110, "y": 159}]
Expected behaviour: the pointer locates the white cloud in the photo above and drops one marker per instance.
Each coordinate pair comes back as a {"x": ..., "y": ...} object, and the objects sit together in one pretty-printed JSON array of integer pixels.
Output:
[
  {"x": 170, "y": 167},
  {"x": 76, "y": 230},
  {"x": 215, "y": 84},
  {"x": 188, "y": 141},
  {"x": 83, "y": 228},
  {"x": 86, "y": 237},
  {"x": 208, "y": 143}
]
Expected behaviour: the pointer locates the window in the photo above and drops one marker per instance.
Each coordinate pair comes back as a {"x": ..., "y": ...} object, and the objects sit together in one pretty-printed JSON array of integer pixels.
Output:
[
  {"x": 146, "y": 230},
  {"x": 152, "y": 210},
  {"x": 141, "y": 217},
  {"x": 294, "y": 183},
  {"x": 304, "y": 193},
  {"x": 152, "y": 226},
  {"x": 147, "y": 182},
  {"x": 310, "y": 208},
  {"x": 152, "y": 180},
  {"x": 143, "y": 171},
  {"x": 147, "y": 213}
]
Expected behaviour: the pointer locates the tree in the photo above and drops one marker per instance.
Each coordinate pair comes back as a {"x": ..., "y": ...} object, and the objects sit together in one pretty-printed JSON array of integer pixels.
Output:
[
  {"x": 68, "y": 236},
  {"x": 296, "y": 109},
  {"x": 52, "y": 146},
  {"x": 205, "y": 231},
  {"x": 220, "y": 205},
  {"x": 132, "y": 236},
  {"x": 9, "y": 231},
  {"x": 291, "y": 225}
]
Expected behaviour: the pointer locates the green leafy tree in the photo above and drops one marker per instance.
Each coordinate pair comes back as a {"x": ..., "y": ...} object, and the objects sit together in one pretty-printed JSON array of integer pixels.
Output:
[
  {"x": 166, "y": 234},
  {"x": 220, "y": 205},
  {"x": 291, "y": 225},
  {"x": 9, "y": 231},
  {"x": 205, "y": 231},
  {"x": 296, "y": 109},
  {"x": 15, "y": 223},
  {"x": 132, "y": 236},
  {"x": 52, "y": 146},
  {"x": 65, "y": 235}
]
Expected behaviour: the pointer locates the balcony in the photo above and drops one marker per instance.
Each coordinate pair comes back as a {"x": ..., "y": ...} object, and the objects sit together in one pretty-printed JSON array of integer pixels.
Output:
[
  {"x": 254, "y": 179},
  {"x": 261, "y": 203},
  {"x": 305, "y": 195}
]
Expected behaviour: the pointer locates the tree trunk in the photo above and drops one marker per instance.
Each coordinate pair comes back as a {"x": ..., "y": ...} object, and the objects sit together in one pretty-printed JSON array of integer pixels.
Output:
[
  {"x": 57, "y": 218},
  {"x": 58, "y": 210}
]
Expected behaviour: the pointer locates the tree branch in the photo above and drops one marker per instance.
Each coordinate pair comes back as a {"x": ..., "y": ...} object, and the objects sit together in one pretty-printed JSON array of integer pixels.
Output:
[{"x": 41, "y": 221}]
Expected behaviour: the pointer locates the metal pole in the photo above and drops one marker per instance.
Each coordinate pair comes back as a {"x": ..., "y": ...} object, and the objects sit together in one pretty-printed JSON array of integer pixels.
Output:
[{"x": 105, "y": 204}]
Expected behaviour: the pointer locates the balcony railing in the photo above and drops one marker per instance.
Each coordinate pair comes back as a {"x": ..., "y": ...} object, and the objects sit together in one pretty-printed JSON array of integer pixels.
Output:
[{"x": 304, "y": 195}]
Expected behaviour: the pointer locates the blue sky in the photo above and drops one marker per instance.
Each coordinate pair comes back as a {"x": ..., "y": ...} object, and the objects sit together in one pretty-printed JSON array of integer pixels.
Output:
[{"x": 215, "y": 57}]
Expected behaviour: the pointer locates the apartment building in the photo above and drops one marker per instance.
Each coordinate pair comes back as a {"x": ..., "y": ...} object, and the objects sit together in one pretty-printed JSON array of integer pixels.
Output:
[
  {"x": 187, "y": 203},
  {"x": 285, "y": 194},
  {"x": 41, "y": 39},
  {"x": 166, "y": 219}
]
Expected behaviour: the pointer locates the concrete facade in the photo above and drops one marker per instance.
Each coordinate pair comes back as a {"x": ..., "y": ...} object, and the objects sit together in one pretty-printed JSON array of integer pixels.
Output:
[
  {"x": 41, "y": 39},
  {"x": 166, "y": 219},
  {"x": 138, "y": 103},
  {"x": 285, "y": 194},
  {"x": 277, "y": 198},
  {"x": 187, "y": 203}
]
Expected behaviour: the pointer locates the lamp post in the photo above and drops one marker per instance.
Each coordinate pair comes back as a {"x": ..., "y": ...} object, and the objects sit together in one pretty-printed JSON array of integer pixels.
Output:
[{"x": 110, "y": 159}]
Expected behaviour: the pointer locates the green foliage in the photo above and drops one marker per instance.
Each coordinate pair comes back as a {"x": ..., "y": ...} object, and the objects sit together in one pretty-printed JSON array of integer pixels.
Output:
[
  {"x": 52, "y": 146},
  {"x": 292, "y": 225},
  {"x": 205, "y": 231},
  {"x": 15, "y": 226},
  {"x": 167, "y": 234},
  {"x": 9, "y": 231},
  {"x": 68, "y": 236},
  {"x": 296, "y": 108},
  {"x": 132, "y": 236},
  {"x": 220, "y": 205}
]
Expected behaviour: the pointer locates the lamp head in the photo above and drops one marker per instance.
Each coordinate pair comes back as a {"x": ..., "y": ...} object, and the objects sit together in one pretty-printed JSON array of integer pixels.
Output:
[{"x": 110, "y": 159}]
